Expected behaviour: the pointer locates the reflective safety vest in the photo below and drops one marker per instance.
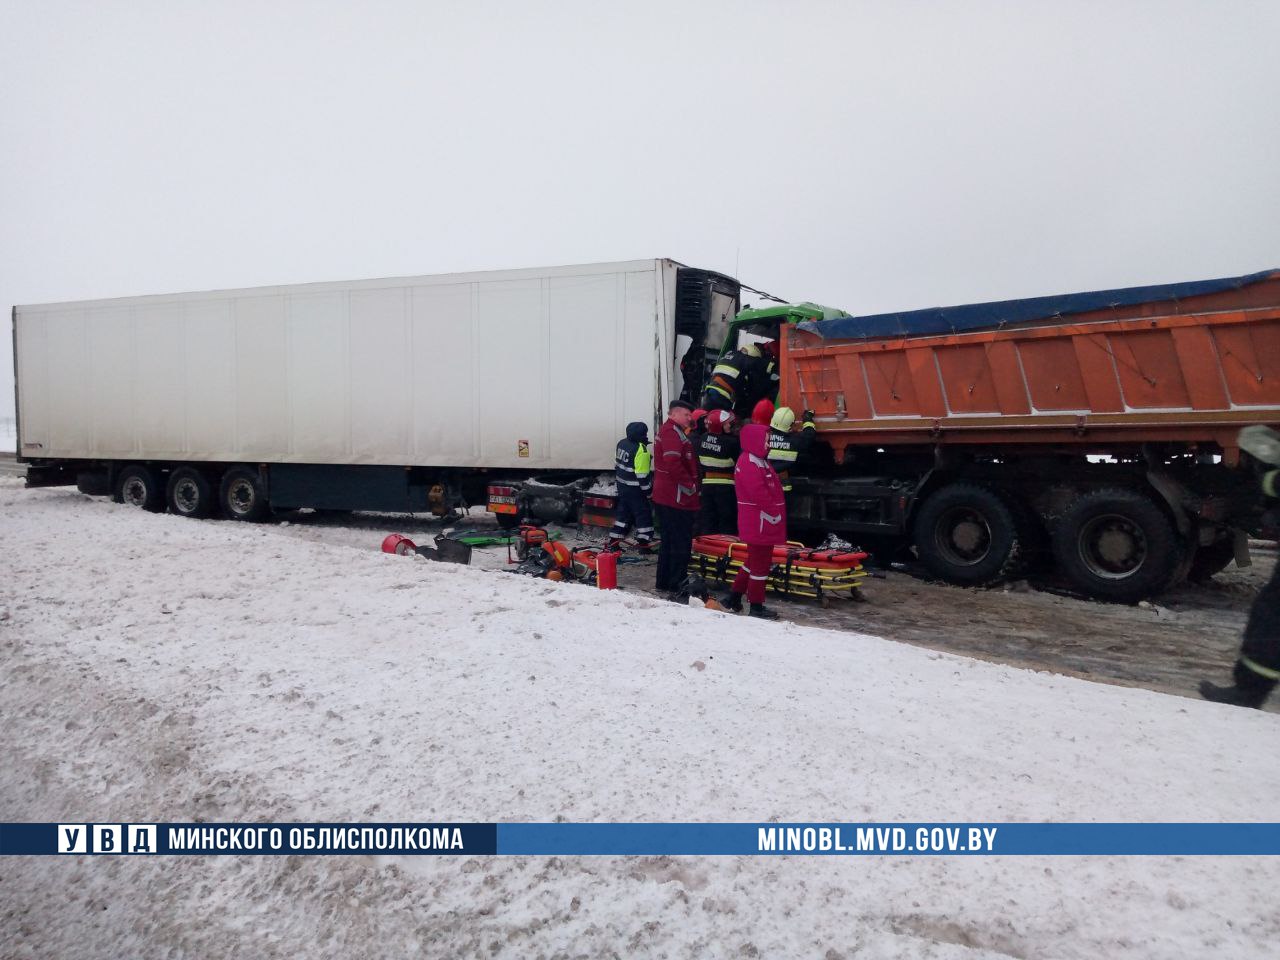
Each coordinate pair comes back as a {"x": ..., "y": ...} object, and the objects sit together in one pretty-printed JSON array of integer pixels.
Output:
[
  {"x": 633, "y": 465},
  {"x": 717, "y": 455},
  {"x": 642, "y": 462}
]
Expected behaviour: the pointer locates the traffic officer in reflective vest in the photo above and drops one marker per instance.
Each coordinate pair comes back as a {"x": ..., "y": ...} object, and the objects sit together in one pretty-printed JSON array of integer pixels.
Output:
[
  {"x": 718, "y": 451},
  {"x": 633, "y": 472},
  {"x": 788, "y": 448}
]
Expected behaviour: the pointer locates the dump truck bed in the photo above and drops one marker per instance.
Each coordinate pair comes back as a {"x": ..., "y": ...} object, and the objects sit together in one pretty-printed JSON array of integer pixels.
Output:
[{"x": 1181, "y": 362}]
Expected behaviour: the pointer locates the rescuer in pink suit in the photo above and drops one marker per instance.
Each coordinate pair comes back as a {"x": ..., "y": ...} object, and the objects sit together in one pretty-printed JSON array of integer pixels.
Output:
[{"x": 762, "y": 520}]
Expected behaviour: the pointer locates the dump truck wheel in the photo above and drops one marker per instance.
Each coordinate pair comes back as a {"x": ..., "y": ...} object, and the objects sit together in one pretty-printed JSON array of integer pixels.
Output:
[
  {"x": 1117, "y": 545},
  {"x": 967, "y": 534},
  {"x": 1211, "y": 560},
  {"x": 190, "y": 494},
  {"x": 138, "y": 486},
  {"x": 242, "y": 495}
]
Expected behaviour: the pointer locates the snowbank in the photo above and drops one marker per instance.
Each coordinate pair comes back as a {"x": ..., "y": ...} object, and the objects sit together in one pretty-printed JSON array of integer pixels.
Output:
[{"x": 163, "y": 669}]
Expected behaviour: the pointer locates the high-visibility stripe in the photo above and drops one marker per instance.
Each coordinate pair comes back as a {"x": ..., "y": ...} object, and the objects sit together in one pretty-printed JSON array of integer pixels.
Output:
[
  {"x": 727, "y": 394},
  {"x": 1260, "y": 670},
  {"x": 725, "y": 370},
  {"x": 717, "y": 463},
  {"x": 717, "y": 481},
  {"x": 789, "y": 455}
]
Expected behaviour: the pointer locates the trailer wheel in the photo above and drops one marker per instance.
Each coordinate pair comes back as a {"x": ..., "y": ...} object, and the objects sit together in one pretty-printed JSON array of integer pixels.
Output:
[
  {"x": 1117, "y": 545},
  {"x": 967, "y": 534},
  {"x": 190, "y": 494},
  {"x": 1211, "y": 560},
  {"x": 138, "y": 486},
  {"x": 242, "y": 495}
]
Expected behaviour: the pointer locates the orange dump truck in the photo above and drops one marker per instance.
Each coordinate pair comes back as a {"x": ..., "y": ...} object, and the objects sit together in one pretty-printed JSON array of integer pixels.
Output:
[{"x": 1094, "y": 431}]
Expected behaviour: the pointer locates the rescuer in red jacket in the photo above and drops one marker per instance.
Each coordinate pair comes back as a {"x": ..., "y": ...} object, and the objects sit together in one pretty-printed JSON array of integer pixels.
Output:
[
  {"x": 762, "y": 520},
  {"x": 675, "y": 495}
]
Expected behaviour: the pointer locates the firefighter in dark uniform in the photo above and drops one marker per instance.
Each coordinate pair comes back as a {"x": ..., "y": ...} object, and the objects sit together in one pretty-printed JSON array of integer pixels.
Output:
[
  {"x": 1257, "y": 668},
  {"x": 772, "y": 374},
  {"x": 735, "y": 380},
  {"x": 717, "y": 454},
  {"x": 787, "y": 447},
  {"x": 633, "y": 471}
]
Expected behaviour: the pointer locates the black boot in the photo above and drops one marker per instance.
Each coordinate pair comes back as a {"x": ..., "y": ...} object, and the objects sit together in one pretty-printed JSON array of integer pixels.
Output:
[
  {"x": 763, "y": 612},
  {"x": 732, "y": 601},
  {"x": 1236, "y": 696}
]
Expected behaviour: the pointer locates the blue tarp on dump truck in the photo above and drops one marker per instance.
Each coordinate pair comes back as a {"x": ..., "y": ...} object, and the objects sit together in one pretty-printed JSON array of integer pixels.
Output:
[{"x": 1003, "y": 313}]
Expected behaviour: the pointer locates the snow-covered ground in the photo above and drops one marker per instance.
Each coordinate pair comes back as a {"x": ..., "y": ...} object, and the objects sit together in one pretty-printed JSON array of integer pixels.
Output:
[
  {"x": 153, "y": 668},
  {"x": 8, "y": 435}
]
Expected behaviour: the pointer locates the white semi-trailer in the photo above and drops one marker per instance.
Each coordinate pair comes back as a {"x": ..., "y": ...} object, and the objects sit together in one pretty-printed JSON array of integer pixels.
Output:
[{"x": 404, "y": 394}]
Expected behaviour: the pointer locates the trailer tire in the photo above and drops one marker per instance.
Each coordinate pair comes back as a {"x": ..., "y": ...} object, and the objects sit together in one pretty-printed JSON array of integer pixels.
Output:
[
  {"x": 138, "y": 486},
  {"x": 1211, "y": 560},
  {"x": 243, "y": 496},
  {"x": 1117, "y": 545},
  {"x": 189, "y": 494},
  {"x": 967, "y": 534}
]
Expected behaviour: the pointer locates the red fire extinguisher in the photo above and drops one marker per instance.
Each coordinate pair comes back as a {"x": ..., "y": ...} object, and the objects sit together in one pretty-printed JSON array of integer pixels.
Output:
[{"x": 607, "y": 570}]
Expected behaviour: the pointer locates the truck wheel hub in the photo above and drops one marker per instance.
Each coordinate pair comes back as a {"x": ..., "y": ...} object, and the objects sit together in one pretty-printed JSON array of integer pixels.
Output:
[
  {"x": 242, "y": 497},
  {"x": 964, "y": 536},
  {"x": 1112, "y": 546},
  {"x": 186, "y": 495}
]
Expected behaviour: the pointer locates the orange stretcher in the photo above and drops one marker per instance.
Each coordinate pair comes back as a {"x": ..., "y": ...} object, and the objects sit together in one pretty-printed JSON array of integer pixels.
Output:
[{"x": 797, "y": 570}]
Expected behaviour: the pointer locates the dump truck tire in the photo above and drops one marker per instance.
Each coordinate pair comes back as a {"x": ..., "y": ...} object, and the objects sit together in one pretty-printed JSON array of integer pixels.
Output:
[
  {"x": 967, "y": 534},
  {"x": 1117, "y": 545},
  {"x": 1211, "y": 560}
]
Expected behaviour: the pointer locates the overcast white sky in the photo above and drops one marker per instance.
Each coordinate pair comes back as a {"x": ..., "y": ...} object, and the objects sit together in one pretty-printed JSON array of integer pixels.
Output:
[{"x": 868, "y": 156}]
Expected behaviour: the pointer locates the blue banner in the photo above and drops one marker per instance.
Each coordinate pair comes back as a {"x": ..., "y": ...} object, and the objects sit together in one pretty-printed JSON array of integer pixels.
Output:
[{"x": 643, "y": 839}]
